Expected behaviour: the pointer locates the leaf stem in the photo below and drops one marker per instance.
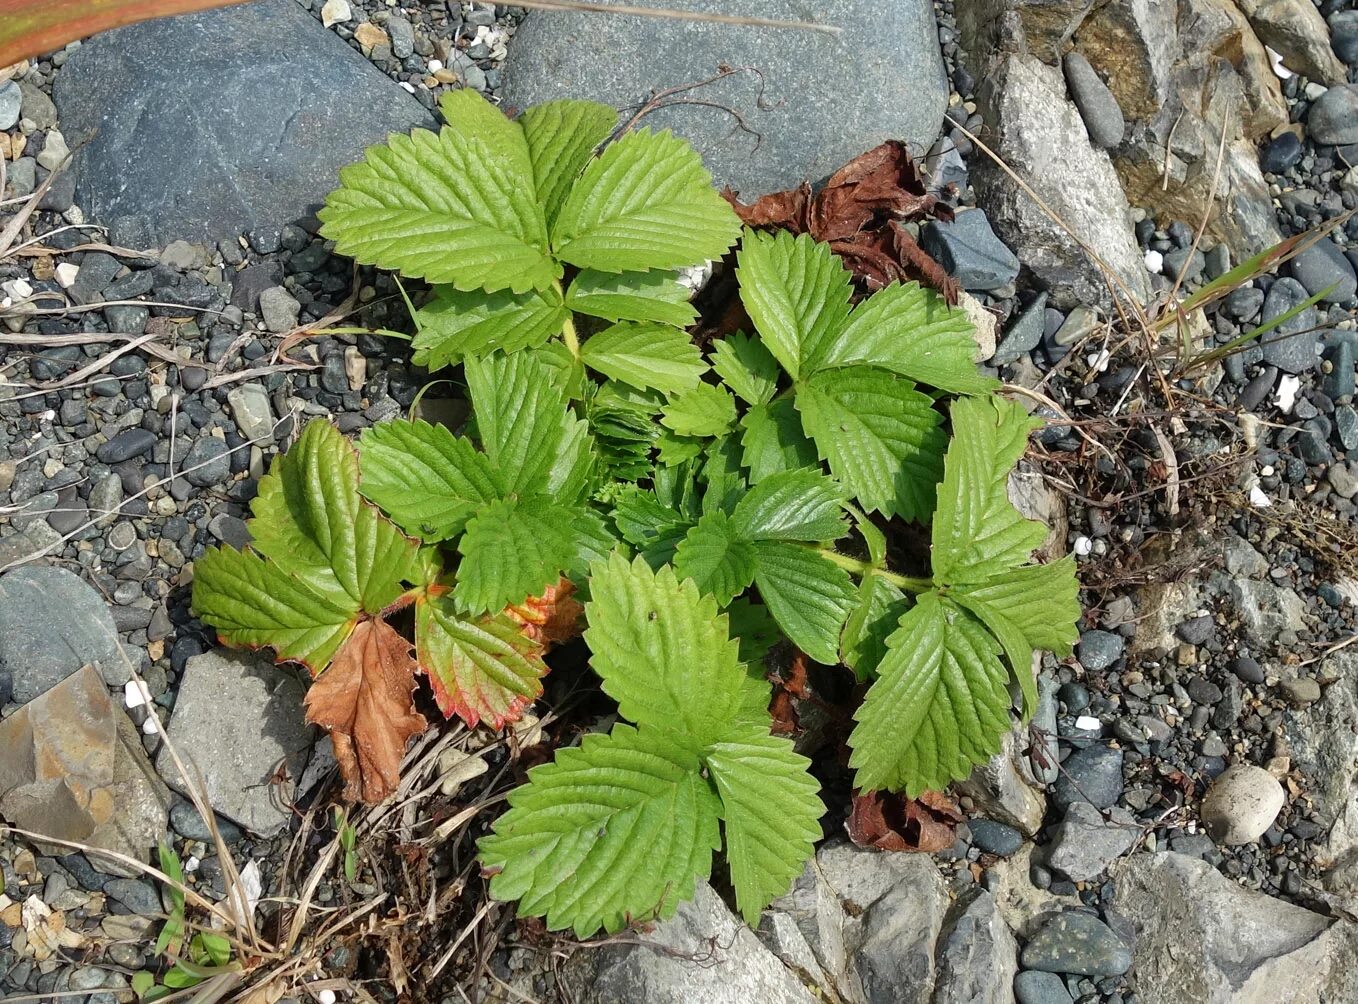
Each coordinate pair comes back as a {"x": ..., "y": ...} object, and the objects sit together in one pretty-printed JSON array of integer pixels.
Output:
[
  {"x": 568, "y": 334},
  {"x": 861, "y": 568}
]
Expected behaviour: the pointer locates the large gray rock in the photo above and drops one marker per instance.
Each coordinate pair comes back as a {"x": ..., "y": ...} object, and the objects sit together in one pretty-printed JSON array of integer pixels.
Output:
[
  {"x": 1201, "y": 939},
  {"x": 204, "y": 126},
  {"x": 1040, "y": 135},
  {"x": 817, "y": 101},
  {"x": 977, "y": 955},
  {"x": 1295, "y": 30},
  {"x": 51, "y": 624},
  {"x": 236, "y": 719}
]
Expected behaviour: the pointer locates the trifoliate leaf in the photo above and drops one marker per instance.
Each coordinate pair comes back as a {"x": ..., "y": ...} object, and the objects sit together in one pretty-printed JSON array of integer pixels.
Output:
[
  {"x": 939, "y": 707},
  {"x": 880, "y": 436},
  {"x": 977, "y": 531},
  {"x": 879, "y": 608},
  {"x": 796, "y": 291},
  {"x": 520, "y": 415},
  {"x": 650, "y": 356},
  {"x": 456, "y": 324},
  {"x": 716, "y": 558},
  {"x": 754, "y": 627},
  {"x": 632, "y": 296},
  {"x": 613, "y": 832},
  {"x": 425, "y": 478},
  {"x": 809, "y": 596},
  {"x": 645, "y": 203},
  {"x": 254, "y": 603},
  {"x": 770, "y": 813},
  {"x": 796, "y": 505},
  {"x": 1027, "y": 608},
  {"x": 912, "y": 331},
  {"x": 561, "y": 137},
  {"x": 481, "y": 669},
  {"x": 441, "y": 207},
  {"x": 513, "y": 549},
  {"x": 746, "y": 367},
  {"x": 773, "y": 440},
  {"x": 311, "y": 522},
  {"x": 663, "y": 653},
  {"x": 704, "y": 411}
]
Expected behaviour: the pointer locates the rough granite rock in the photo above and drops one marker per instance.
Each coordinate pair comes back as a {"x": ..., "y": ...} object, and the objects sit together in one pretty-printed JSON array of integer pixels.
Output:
[
  {"x": 205, "y": 126},
  {"x": 977, "y": 954},
  {"x": 1296, "y": 31},
  {"x": 1040, "y": 135},
  {"x": 809, "y": 117},
  {"x": 237, "y": 717},
  {"x": 72, "y": 767},
  {"x": 1201, "y": 938}
]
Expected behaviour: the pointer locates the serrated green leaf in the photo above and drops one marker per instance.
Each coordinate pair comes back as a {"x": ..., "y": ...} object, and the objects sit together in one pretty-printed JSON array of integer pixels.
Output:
[
  {"x": 880, "y": 436},
  {"x": 912, "y": 331},
  {"x": 311, "y": 521},
  {"x": 632, "y": 296},
  {"x": 594, "y": 541},
  {"x": 470, "y": 114},
  {"x": 977, "y": 531},
  {"x": 512, "y": 549},
  {"x": 614, "y": 831},
  {"x": 456, "y": 324},
  {"x": 663, "y": 653},
  {"x": 722, "y": 475},
  {"x": 520, "y": 415},
  {"x": 571, "y": 475},
  {"x": 650, "y": 356},
  {"x": 756, "y": 630},
  {"x": 641, "y": 517},
  {"x": 1027, "y": 608},
  {"x": 441, "y": 207},
  {"x": 715, "y": 557},
  {"x": 706, "y": 410},
  {"x": 480, "y": 669},
  {"x": 561, "y": 138},
  {"x": 566, "y": 370},
  {"x": 796, "y": 505},
  {"x": 809, "y": 596},
  {"x": 746, "y": 367},
  {"x": 879, "y": 608},
  {"x": 673, "y": 449},
  {"x": 425, "y": 478},
  {"x": 254, "y": 603},
  {"x": 796, "y": 291},
  {"x": 770, "y": 813},
  {"x": 940, "y": 704},
  {"x": 645, "y": 203},
  {"x": 773, "y": 440}
]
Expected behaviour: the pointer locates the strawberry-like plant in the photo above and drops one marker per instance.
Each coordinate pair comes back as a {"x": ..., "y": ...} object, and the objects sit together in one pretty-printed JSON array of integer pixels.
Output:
[{"x": 707, "y": 508}]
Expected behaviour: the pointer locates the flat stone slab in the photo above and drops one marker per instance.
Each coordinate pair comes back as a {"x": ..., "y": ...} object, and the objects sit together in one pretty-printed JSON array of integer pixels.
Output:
[
  {"x": 205, "y": 126},
  {"x": 817, "y": 102}
]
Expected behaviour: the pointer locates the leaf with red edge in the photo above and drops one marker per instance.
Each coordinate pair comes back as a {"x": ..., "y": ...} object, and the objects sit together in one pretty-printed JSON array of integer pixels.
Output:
[
  {"x": 483, "y": 668},
  {"x": 551, "y": 618},
  {"x": 892, "y": 822},
  {"x": 31, "y": 27},
  {"x": 365, "y": 701}
]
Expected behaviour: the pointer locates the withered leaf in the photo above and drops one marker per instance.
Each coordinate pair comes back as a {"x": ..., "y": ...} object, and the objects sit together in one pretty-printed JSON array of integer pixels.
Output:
[
  {"x": 364, "y": 701},
  {"x": 551, "y": 618},
  {"x": 789, "y": 686},
  {"x": 892, "y": 822}
]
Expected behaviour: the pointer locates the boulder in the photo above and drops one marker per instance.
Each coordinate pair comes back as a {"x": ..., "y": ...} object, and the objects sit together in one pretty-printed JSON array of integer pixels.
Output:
[
  {"x": 977, "y": 954},
  {"x": 205, "y": 126},
  {"x": 1041, "y": 27},
  {"x": 1296, "y": 31},
  {"x": 1200, "y": 937},
  {"x": 810, "y": 102},
  {"x": 1041, "y": 136},
  {"x": 72, "y": 767}
]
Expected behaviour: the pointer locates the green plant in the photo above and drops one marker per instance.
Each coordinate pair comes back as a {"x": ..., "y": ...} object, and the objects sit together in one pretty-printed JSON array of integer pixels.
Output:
[
  {"x": 706, "y": 509},
  {"x": 194, "y": 958},
  {"x": 348, "y": 839}
]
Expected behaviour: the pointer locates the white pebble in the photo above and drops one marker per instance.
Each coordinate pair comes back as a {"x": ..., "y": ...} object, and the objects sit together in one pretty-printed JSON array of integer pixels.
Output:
[
  {"x": 1279, "y": 70},
  {"x": 408, "y": 86},
  {"x": 1286, "y": 395},
  {"x": 435, "y": 65},
  {"x": 1314, "y": 90},
  {"x": 1155, "y": 262},
  {"x": 1098, "y": 361},
  {"x": 66, "y": 273},
  {"x": 149, "y": 727},
  {"x": 1083, "y": 546},
  {"x": 326, "y": 997},
  {"x": 135, "y": 694},
  {"x": 20, "y": 289},
  {"x": 1088, "y": 723},
  {"x": 1258, "y": 499},
  {"x": 191, "y": 865},
  {"x": 335, "y": 12}
]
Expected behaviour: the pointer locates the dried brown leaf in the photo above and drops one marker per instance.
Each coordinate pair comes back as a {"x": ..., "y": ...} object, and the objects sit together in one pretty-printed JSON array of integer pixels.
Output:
[
  {"x": 892, "y": 822},
  {"x": 553, "y": 617}
]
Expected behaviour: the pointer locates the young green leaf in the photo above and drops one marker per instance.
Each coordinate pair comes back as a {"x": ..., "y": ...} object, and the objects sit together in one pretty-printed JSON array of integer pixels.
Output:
[
  {"x": 561, "y": 137},
  {"x": 746, "y": 367},
  {"x": 716, "y": 557},
  {"x": 482, "y": 669},
  {"x": 650, "y": 356},
  {"x": 880, "y": 436},
  {"x": 796, "y": 291},
  {"x": 809, "y": 596},
  {"x": 612, "y": 832},
  {"x": 773, "y": 440},
  {"x": 796, "y": 505},
  {"x": 725, "y": 482},
  {"x": 632, "y": 296},
  {"x": 770, "y": 811},
  {"x": 755, "y": 627},
  {"x": 912, "y": 331},
  {"x": 645, "y": 203},
  {"x": 512, "y": 549},
  {"x": 939, "y": 706},
  {"x": 706, "y": 410},
  {"x": 520, "y": 416},
  {"x": 456, "y": 324},
  {"x": 879, "y": 608},
  {"x": 427, "y": 480},
  {"x": 441, "y": 207}
]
